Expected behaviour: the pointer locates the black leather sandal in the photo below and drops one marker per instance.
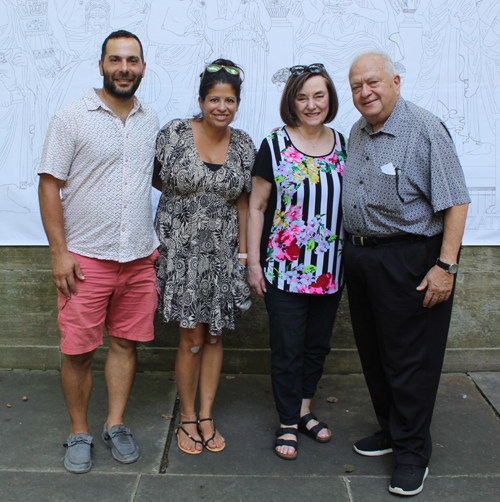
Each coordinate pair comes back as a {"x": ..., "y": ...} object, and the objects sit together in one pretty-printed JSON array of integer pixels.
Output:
[
  {"x": 195, "y": 441},
  {"x": 205, "y": 443},
  {"x": 313, "y": 431},
  {"x": 286, "y": 442}
]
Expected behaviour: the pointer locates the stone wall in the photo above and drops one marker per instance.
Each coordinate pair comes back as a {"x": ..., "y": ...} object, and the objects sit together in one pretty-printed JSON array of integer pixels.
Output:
[{"x": 29, "y": 336}]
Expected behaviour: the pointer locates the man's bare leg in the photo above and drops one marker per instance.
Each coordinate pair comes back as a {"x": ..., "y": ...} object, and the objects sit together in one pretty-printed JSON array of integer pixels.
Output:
[
  {"x": 76, "y": 380},
  {"x": 119, "y": 373}
]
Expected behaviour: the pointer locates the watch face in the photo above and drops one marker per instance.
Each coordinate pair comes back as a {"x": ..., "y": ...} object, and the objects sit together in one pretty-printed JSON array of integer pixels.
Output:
[{"x": 453, "y": 269}]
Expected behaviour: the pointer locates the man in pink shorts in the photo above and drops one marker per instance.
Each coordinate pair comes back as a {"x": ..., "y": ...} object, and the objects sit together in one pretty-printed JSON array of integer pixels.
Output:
[{"x": 95, "y": 201}]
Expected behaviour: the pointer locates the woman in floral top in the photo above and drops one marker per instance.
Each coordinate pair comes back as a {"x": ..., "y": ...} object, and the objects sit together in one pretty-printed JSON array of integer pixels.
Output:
[{"x": 295, "y": 239}]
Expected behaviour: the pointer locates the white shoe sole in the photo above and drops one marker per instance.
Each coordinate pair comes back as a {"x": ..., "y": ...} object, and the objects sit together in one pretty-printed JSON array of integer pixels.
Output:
[
  {"x": 376, "y": 453},
  {"x": 400, "y": 491}
]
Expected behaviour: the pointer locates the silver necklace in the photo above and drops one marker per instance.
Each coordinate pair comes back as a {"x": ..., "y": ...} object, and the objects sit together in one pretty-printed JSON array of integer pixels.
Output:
[{"x": 308, "y": 140}]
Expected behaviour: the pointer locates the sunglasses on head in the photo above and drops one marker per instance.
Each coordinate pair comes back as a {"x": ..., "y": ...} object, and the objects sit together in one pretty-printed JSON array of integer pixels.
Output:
[
  {"x": 312, "y": 68},
  {"x": 214, "y": 68}
]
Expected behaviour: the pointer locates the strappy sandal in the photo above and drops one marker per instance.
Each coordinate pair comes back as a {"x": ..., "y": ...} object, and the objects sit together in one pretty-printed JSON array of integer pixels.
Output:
[
  {"x": 286, "y": 442},
  {"x": 195, "y": 441},
  {"x": 205, "y": 443},
  {"x": 313, "y": 431}
]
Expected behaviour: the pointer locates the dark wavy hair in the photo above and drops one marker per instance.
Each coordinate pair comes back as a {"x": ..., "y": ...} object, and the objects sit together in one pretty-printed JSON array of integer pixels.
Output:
[
  {"x": 292, "y": 88},
  {"x": 120, "y": 34},
  {"x": 209, "y": 80}
]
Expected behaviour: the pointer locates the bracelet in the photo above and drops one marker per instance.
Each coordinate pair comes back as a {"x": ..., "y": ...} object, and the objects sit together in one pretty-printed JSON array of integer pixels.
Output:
[{"x": 243, "y": 255}]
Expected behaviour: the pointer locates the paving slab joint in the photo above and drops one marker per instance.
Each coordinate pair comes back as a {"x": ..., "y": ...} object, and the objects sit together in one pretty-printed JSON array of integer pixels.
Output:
[
  {"x": 347, "y": 484},
  {"x": 170, "y": 436},
  {"x": 136, "y": 488},
  {"x": 485, "y": 397}
]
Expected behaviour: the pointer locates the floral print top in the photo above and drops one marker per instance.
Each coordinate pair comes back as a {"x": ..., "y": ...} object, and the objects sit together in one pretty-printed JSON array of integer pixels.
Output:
[{"x": 301, "y": 246}]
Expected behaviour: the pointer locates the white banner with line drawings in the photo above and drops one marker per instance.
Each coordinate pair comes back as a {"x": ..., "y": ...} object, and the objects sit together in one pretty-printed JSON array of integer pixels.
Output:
[{"x": 447, "y": 52}]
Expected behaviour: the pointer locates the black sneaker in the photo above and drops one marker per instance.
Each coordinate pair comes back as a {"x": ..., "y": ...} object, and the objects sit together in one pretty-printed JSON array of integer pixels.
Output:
[
  {"x": 408, "y": 479},
  {"x": 374, "y": 446}
]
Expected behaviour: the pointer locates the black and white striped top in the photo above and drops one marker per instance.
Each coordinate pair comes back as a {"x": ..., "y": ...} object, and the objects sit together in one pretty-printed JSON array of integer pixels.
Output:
[{"x": 301, "y": 245}]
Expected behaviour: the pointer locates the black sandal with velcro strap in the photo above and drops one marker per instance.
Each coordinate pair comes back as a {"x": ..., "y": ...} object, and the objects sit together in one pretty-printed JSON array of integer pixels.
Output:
[
  {"x": 313, "y": 431},
  {"x": 286, "y": 442}
]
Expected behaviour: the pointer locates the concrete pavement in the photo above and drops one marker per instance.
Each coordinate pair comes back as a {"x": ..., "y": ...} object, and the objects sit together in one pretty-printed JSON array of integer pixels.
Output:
[{"x": 465, "y": 466}]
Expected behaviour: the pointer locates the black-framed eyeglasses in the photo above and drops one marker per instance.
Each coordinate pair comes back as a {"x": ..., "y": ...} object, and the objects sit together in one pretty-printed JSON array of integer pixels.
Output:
[{"x": 312, "y": 68}]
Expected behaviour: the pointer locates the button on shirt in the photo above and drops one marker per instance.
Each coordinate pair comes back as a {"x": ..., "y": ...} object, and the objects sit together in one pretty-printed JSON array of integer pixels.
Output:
[
  {"x": 107, "y": 168},
  {"x": 401, "y": 178}
]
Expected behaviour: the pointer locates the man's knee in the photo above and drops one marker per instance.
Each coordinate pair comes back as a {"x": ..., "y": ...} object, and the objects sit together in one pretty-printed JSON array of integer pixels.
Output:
[
  {"x": 79, "y": 361},
  {"x": 121, "y": 344}
]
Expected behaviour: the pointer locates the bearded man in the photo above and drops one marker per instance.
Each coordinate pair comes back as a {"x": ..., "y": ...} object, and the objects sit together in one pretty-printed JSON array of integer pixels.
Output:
[{"x": 98, "y": 155}]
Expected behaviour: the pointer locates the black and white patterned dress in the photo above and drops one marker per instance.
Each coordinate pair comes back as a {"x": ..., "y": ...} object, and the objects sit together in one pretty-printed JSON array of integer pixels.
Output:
[{"x": 199, "y": 275}]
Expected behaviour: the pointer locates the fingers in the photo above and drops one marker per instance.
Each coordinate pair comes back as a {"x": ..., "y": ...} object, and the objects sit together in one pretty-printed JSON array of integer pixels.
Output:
[
  {"x": 64, "y": 269},
  {"x": 263, "y": 286},
  {"x": 422, "y": 285},
  {"x": 432, "y": 299},
  {"x": 62, "y": 286},
  {"x": 258, "y": 290},
  {"x": 78, "y": 271},
  {"x": 256, "y": 280},
  {"x": 439, "y": 285},
  {"x": 71, "y": 284}
]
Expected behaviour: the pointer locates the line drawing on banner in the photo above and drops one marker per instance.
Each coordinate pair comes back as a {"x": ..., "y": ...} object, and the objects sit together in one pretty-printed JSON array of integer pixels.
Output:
[
  {"x": 446, "y": 51},
  {"x": 21, "y": 114}
]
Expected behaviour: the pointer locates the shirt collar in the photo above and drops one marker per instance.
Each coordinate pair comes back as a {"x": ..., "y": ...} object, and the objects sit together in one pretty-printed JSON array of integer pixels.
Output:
[
  {"x": 392, "y": 123},
  {"x": 94, "y": 102}
]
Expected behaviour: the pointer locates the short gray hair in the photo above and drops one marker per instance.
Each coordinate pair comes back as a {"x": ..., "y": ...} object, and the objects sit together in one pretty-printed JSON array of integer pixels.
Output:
[{"x": 388, "y": 64}]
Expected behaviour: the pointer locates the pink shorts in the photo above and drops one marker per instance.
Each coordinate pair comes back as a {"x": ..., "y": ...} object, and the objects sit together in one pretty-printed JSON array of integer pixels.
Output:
[{"x": 123, "y": 296}]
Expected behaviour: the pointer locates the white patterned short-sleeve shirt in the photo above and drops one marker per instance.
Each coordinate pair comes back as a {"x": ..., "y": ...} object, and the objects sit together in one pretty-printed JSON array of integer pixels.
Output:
[
  {"x": 401, "y": 178},
  {"x": 107, "y": 167}
]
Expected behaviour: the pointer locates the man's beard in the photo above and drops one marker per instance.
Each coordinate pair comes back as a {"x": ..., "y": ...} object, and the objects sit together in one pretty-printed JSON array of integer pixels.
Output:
[{"x": 116, "y": 91}]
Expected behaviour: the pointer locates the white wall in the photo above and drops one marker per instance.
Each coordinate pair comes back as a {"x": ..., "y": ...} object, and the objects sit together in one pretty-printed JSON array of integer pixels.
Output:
[{"x": 447, "y": 50}]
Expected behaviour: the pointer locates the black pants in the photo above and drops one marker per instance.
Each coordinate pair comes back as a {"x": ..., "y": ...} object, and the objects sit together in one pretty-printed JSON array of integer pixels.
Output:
[
  {"x": 300, "y": 330},
  {"x": 401, "y": 344}
]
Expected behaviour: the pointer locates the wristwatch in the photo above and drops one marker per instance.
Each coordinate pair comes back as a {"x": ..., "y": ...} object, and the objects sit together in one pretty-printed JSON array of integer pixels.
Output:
[{"x": 451, "y": 268}]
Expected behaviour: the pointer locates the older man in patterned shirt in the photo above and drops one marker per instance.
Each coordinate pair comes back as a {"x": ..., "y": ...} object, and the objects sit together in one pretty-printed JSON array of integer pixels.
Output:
[
  {"x": 99, "y": 154},
  {"x": 405, "y": 203}
]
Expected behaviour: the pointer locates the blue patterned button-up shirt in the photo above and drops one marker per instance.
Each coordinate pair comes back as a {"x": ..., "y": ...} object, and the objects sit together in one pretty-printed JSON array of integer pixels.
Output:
[{"x": 401, "y": 178}]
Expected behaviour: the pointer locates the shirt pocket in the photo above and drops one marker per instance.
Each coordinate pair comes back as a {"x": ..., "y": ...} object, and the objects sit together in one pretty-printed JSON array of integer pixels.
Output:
[{"x": 382, "y": 191}]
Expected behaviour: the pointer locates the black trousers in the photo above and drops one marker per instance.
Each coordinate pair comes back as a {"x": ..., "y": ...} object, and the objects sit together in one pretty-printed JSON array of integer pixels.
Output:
[
  {"x": 401, "y": 344},
  {"x": 300, "y": 331}
]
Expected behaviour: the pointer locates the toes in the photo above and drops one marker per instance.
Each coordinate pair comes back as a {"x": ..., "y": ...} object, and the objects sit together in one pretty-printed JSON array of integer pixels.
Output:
[{"x": 217, "y": 442}]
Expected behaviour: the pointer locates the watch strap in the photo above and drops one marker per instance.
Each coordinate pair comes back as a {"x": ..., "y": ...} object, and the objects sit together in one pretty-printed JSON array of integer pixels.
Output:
[{"x": 451, "y": 268}]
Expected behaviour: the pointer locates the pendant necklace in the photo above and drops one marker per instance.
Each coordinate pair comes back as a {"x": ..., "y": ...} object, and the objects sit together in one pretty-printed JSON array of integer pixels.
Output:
[{"x": 308, "y": 140}]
